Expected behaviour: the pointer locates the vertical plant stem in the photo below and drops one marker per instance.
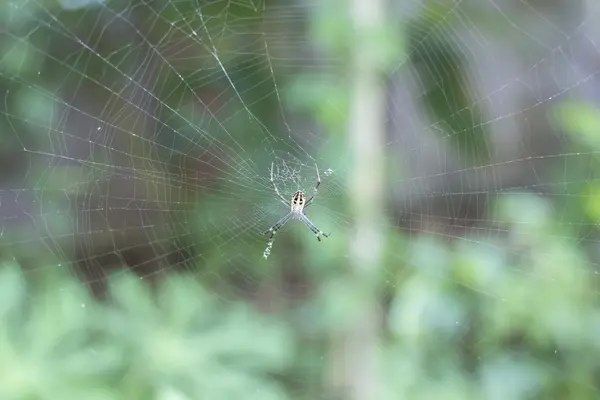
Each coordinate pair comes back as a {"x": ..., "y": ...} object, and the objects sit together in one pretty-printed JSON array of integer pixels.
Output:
[{"x": 357, "y": 348}]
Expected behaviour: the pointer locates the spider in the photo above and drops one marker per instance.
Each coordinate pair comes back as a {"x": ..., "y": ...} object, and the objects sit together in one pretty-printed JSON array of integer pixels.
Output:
[{"x": 298, "y": 204}]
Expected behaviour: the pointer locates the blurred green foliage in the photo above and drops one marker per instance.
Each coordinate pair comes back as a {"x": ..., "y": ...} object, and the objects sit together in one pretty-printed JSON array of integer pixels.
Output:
[
  {"x": 181, "y": 343},
  {"x": 481, "y": 319},
  {"x": 487, "y": 319}
]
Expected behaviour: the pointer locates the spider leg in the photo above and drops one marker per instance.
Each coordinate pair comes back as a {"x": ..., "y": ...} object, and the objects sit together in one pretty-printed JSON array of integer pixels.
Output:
[
  {"x": 315, "y": 189},
  {"x": 279, "y": 224},
  {"x": 312, "y": 227},
  {"x": 283, "y": 199}
]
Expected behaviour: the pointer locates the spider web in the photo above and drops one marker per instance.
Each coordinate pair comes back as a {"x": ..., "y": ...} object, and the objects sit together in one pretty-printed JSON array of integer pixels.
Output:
[
  {"x": 142, "y": 133},
  {"x": 118, "y": 160}
]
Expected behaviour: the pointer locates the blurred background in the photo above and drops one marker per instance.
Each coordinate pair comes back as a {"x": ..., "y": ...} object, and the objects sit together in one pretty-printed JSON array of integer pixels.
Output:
[{"x": 457, "y": 144}]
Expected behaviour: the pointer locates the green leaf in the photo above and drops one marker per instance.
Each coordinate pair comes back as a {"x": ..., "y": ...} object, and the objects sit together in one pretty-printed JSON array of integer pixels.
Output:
[{"x": 581, "y": 121}]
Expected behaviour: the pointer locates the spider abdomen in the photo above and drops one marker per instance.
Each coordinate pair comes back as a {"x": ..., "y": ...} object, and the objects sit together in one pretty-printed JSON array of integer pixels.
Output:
[{"x": 298, "y": 200}]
